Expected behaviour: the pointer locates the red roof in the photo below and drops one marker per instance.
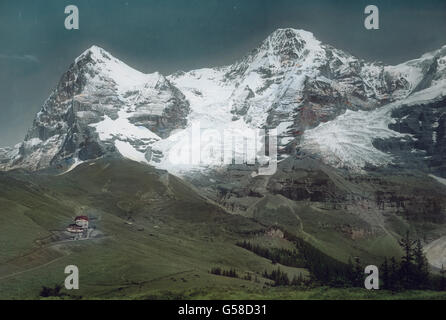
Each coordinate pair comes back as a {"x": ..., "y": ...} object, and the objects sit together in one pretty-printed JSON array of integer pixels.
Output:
[{"x": 81, "y": 218}]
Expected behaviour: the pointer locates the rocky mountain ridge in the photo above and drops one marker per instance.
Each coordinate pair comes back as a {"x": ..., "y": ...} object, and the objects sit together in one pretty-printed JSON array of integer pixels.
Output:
[{"x": 323, "y": 101}]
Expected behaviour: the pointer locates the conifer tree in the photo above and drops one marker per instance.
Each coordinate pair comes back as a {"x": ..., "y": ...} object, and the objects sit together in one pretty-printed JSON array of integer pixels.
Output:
[
  {"x": 385, "y": 274},
  {"x": 358, "y": 273},
  {"x": 421, "y": 276},
  {"x": 350, "y": 271},
  {"x": 443, "y": 279},
  {"x": 406, "y": 272},
  {"x": 394, "y": 279}
]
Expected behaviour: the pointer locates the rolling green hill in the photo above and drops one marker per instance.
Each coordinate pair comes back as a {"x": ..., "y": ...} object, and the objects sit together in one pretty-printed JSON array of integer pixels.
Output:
[{"x": 157, "y": 236}]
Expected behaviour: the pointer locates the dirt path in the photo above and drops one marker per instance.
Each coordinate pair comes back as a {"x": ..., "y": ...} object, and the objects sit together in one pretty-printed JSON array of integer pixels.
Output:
[
  {"x": 54, "y": 246},
  {"x": 32, "y": 269}
]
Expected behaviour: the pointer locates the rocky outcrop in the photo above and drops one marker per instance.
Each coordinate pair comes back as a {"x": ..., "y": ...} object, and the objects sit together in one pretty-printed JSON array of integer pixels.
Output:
[{"x": 99, "y": 89}]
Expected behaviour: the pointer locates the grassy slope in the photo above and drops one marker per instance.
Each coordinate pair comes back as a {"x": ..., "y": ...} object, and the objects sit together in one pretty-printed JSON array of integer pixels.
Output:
[
  {"x": 322, "y": 293},
  {"x": 174, "y": 239},
  {"x": 161, "y": 238}
]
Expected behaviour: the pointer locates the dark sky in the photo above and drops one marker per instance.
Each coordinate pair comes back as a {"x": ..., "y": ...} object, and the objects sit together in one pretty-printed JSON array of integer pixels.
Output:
[{"x": 168, "y": 35}]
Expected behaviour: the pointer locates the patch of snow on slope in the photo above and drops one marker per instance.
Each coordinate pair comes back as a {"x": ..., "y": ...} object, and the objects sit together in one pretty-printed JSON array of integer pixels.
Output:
[
  {"x": 436, "y": 252},
  {"x": 409, "y": 71},
  {"x": 128, "y": 151},
  {"x": 122, "y": 129},
  {"x": 122, "y": 132},
  {"x": 347, "y": 140},
  {"x": 203, "y": 88},
  {"x": 206, "y": 140},
  {"x": 441, "y": 180},
  {"x": 76, "y": 163}
]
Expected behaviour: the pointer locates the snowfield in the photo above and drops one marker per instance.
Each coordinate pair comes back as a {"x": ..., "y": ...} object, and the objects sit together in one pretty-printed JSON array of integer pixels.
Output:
[{"x": 332, "y": 103}]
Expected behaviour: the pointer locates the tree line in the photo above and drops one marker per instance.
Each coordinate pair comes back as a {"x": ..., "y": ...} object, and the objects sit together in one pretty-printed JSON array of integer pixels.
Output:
[
  {"x": 283, "y": 256},
  {"x": 232, "y": 273},
  {"x": 281, "y": 278},
  {"x": 410, "y": 272}
]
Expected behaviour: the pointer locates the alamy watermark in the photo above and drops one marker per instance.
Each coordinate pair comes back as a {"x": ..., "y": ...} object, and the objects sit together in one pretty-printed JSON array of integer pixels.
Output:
[
  {"x": 371, "y": 282},
  {"x": 230, "y": 146},
  {"x": 371, "y": 22},
  {"x": 72, "y": 281},
  {"x": 72, "y": 20}
]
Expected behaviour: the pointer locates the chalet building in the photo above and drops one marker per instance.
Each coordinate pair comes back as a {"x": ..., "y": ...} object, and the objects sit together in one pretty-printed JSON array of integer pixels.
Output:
[
  {"x": 80, "y": 225},
  {"x": 74, "y": 228},
  {"x": 82, "y": 221}
]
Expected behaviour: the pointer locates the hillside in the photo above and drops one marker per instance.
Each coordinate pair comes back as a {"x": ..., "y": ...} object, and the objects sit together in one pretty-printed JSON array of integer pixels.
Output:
[{"x": 157, "y": 235}]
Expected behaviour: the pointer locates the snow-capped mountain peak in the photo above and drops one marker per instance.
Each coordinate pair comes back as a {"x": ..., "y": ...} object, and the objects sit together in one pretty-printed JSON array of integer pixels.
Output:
[
  {"x": 318, "y": 97},
  {"x": 125, "y": 77},
  {"x": 283, "y": 48},
  {"x": 100, "y": 106},
  {"x": 95, "y": 53}
]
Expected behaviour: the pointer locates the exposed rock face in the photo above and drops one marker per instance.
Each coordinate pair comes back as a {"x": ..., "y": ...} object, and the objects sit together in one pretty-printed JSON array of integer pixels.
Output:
[
  {"x": 293, "y": 74},
  {"x": 98, "y": 102},
  {"x": 6, "y": 154},
  {"x": 426, "y": 123},
  {"x": 171, "y": 114},
  {"x": 334, "y": 206}
]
